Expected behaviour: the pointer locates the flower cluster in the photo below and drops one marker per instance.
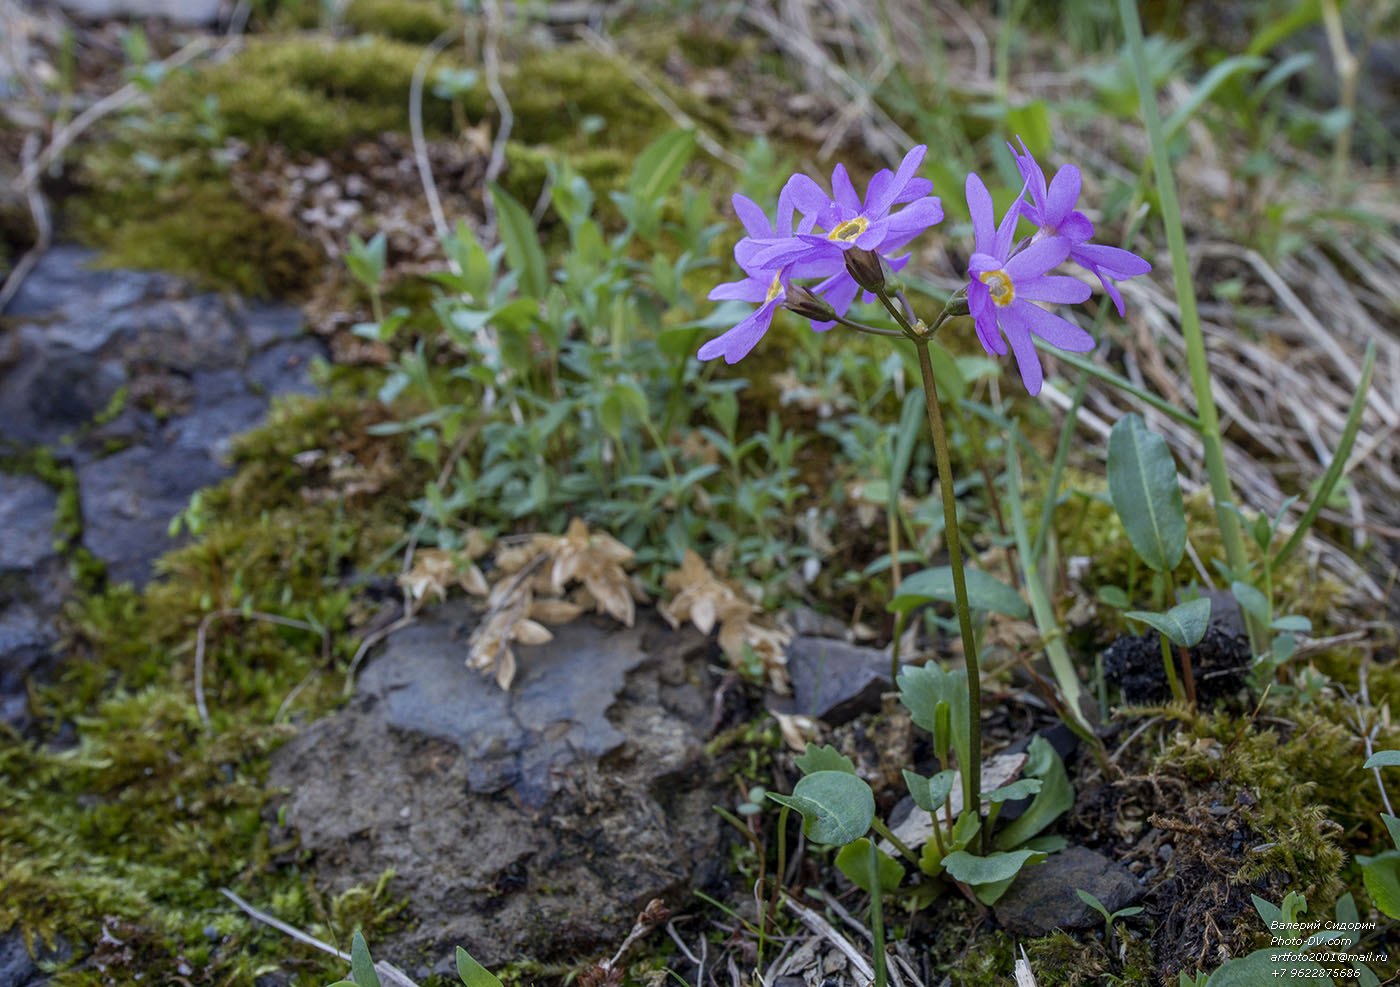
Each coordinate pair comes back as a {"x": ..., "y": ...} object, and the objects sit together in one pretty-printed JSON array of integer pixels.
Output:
[
  {"x": 773, "y": 255},
  {"x": 816, "y": 236}
]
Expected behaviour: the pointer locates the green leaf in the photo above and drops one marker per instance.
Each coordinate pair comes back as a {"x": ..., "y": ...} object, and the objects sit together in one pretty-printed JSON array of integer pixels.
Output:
[
  {"x": 473, "y": 974},
  {"x": 1031, "y": 121},
  {"x": 1093, "y": 902},
  {"x": 660, "y": 164},
  {"x": 1294, "y": 623},
  {"x": 1381, "y": 875},
  {"x": 361, "y": 966},
  {"x": 1114, "y": 596},
  {"x": 1269, "y": 913},
  {"x": 923, "y": 689},
  {"x": 1392, "y": 826},
  {"x": 1383, "y": 759},
  {"x": 1146, "y": 493},
  {"x": 929, "y": 794},
  {"x": 853, "y": 860},
  {"x": 824, "y": 758},
  {"x": 1024, "y": 788},
  {"x": 909, "y": 429},
  {"x": 1184, "y": 624},
  {"x": 1251, "y": 601},
  {"x": 1055, "y": 797},
  {"x": 836, "y": 807},
  {"x": 984, "y": 592},
  {"x": 1212, "y": 80},
  {"x": 522, "y": 243},
  {"x": 991, "y": 875},
  {"x": 1260, "y": 967}
]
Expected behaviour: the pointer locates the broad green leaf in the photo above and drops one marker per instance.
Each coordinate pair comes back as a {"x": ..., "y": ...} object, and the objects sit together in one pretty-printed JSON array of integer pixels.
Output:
[
  {"x": 824, "y": 758},
  {"x": 853, "y": 860},
  {"x": 1251, "y": 600},
  {"x": 1184, "y": 624},
  {"x": 1114, "y": 596},
  {"x": 984, "y": 592},
  {"x": 910, "y": 428},
  {"x": 836, "y": 807},
  {"x": 473, "y": 974},
  {"x": 1383, "y": 759},
  {"x": 923, "y": 689},
  {"x": 1024, "y": 788},
  {"x": 929, "y": 794},
  {"x": 1260, "y": 967},
  {"x": 1269, "y": 913},
  {"x": 1032, "y": 122},
  {"x": 995, "y": 871},
  {"x": 1055, "y": 797},
  {"x": 361, "y": 966},
  {"x": 1293, "y": 623},
  {"x": 660, "y": 164},
  {"x": 1381, "y": 875},
  {"x": 522, "y": 243},
  {"x": 1146, "y": 493}
]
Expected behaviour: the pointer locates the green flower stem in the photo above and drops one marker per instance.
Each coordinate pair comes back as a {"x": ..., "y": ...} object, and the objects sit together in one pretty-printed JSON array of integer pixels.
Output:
[
  {"x": 1188, "y": 674},
  {"x": 877, "y": 917},
  {"x": 899, "y": 845},
  {"x": 1191, "y": 332},
  {"x": 972, "y": 771},
  {"x": 1169, "y": 667}
]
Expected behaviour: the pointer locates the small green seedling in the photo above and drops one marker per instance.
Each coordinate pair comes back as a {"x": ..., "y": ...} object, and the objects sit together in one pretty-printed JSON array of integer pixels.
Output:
[{"x": 1109, "y": 918}]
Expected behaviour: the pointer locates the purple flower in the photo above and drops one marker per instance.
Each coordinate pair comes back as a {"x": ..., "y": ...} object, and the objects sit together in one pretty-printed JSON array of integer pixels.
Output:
[
  {"x": 764, "y": 283},
  {"x": 849, "y": 222},
  {"x": 1051, "y": 207},
  {"x": 1002, "y": 286}
]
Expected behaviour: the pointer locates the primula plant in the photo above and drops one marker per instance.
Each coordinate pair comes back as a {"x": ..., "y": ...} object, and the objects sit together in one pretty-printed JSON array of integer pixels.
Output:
[{"x": 820, "y": 252}]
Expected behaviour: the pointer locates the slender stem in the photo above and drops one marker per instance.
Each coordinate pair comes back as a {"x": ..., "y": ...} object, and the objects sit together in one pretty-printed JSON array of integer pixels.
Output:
[
  {"x": 1211, "y": 442},
  {"x": 972, "y": 771},
  {"x": 1170, "y": 667},
  {"x": 1125, "y": 385},
  {"x": 903, "y": 848},
  {"x": 938, "y": 834},
  {"x": 1187, "y": 673},
  {"x": 877, "y": 916},
  {"x": 894, "y": 648}
]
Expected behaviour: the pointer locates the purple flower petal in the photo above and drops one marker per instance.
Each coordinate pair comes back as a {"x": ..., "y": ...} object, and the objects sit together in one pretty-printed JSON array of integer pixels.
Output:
[
  {"x": 1062, "y": 197},
  {"x": 916, "y": 189},
  {"x": 806, "y": 195},
  {"x": 918, "y": 215},
  {"x": 748, "y": 290},
  {"x": 1114, "y": 261},
  {"x": 1057, "y": 288},
  {"x": 839, "y": 290},
  {"x": 1027, "y": 359},
  {"x": 979, "y": 204},
  {"x": 737, "y": 343},
  {"x": 843, "y": 192},
  {"x": 1076, "y": 228},
  {"x": 979, "y": 305},
  {"x": 1035, "y": 260},
  {"x": 1006, "y": 232},
  {"x": 755, "y": 220},
  {"x": 1059, "y": 333},
  {"x": 879, "y": 205}
]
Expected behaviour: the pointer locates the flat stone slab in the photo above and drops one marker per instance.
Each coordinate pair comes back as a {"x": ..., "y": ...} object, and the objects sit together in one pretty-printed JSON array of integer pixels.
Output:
[
  {"x": 27, "y": 507},
  {"x": 833, "y": 681},
  {"x": 537, "y": 822},
  {"x": 1042, "y": 898}
]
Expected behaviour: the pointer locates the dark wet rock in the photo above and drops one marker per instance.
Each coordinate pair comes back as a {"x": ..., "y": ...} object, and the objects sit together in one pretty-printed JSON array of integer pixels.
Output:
[
  {"x": 33, "y": 584},
  {"x": 1042, "y": 897},
  {"x": 833, "y": 681},
  {"x": 18, "y": 968},
  {"x": 538, "y": 822},
  {"x": 139, "y": 382}
]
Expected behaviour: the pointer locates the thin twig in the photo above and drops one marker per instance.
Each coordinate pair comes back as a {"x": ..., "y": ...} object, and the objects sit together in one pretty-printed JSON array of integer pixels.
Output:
[
  {"x": 389, "y": 975},
  {"x": 825, "y": 929}
]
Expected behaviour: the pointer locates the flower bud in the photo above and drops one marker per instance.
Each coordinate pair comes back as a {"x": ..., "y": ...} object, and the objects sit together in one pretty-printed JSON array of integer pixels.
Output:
[
  {"x": 957, "y": 305},
  {"x": 808, "y": 304},
  {"x": 867, "y": 269}
]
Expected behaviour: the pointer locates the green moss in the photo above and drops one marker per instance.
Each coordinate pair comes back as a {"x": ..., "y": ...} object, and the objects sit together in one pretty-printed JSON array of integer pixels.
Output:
[
  {"x": 136, "y": 823},
  {"x": 197, "y": 226},
  {"x": 414, "y": 21},
  {"x": 311, "y": 94}
]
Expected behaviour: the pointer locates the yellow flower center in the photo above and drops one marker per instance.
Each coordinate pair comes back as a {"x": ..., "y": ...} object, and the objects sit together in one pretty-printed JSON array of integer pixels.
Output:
[
  {"x": 1001, "y": 287},
  {"x": 849, "y": 230},
  {"x": 774, "y": 289}
]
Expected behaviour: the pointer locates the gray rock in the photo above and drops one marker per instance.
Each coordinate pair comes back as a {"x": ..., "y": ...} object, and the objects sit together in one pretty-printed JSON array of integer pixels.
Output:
[
  {"x": 190, "y": 12},
  {"x": 196, "y": 370},
  {"x": 27, "y": 507},
  {"x": 18, "y": 968},
  {"x": 536, "y": 822},
  {"x": 833, "y": 681},
  {"x": 1043, "y": 898}
]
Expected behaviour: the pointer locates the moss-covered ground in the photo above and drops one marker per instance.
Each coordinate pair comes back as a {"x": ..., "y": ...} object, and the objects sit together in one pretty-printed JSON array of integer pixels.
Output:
[{"x": 124, "y": 813}]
